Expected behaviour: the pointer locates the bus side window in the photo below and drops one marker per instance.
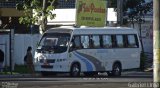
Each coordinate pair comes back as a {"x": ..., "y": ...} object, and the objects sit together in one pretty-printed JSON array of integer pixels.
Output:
[
  {"x": 96, "y": 41},
  {"x": 119, "y": 40},
  {"x": 107, "y": 41},
  {"x": 76, "y": 42},
  {"x": 85, "y": 41},
  {"x": 132, "y": 41}
]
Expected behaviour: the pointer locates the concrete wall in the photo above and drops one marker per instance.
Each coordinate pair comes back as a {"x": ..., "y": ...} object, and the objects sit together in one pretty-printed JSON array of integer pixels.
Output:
[
  {"x": 21, "y": 43},
  {"x": 147, "y": 35}
]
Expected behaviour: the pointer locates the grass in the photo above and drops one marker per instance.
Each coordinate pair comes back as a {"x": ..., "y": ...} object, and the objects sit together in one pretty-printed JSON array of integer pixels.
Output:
[
  {"x": 19, "y": 69},
  {"x": 8, "y": 73}
]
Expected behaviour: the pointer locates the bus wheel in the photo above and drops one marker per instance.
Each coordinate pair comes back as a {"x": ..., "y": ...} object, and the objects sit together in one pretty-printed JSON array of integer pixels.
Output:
[
  {"x": 75, "y": 70},
  {"x": 109, "y": 73},
  {"x": 116, "y": 69}
]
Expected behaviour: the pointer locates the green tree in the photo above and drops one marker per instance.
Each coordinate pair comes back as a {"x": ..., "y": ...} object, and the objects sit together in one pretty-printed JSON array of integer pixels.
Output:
[
  {"x": 133, "y": 10},
  {"x": 37, "y": 11}
]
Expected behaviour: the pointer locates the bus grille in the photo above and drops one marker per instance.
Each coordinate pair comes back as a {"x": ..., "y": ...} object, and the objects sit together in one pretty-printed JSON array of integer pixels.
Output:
[
  {"x": 46, "y": 66},
  {"x": 47, "y": 60}
]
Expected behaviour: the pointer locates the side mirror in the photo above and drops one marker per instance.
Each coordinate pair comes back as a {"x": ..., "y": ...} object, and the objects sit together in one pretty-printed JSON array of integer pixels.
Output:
[
  {"x": 71, "y": 47},
  {"x": 71, "y": 44}
]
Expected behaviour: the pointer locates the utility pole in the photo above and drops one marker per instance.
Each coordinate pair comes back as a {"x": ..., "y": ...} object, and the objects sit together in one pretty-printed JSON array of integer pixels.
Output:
[
  {"x": 10, "y": 44},
  {"x": 43, "y": 22},
  {"x": 156, "y": 40},
  {"x": 120, "y": 12}
]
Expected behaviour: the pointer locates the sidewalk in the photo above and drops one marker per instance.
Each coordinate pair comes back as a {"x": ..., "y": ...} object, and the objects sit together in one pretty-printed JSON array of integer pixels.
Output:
[
  {"x": 149, "y": 70},
  {"x": 126, "y": 73},
  {"x": 18, "y": 75}
]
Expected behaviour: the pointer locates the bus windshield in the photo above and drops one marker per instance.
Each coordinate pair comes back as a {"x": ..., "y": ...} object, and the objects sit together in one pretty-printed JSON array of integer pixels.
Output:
[{"x": 54, "y": 43}]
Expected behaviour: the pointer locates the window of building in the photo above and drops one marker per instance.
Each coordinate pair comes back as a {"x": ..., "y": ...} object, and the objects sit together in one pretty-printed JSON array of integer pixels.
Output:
[
  {"x": 9, "y": 3},
  {"x": 66, "y": 4}
]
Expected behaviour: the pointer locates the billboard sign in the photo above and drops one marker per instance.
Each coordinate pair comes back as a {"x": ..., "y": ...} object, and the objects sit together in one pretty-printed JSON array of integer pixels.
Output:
[{"x": 91, "y": 13}]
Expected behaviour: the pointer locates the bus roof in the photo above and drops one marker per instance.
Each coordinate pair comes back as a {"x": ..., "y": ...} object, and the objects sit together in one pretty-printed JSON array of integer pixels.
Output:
[{"x": 93, "y": 30}]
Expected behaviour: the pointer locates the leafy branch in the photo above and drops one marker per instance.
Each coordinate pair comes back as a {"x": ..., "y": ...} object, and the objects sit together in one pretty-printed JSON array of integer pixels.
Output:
[{"x": 34, "y": 11}]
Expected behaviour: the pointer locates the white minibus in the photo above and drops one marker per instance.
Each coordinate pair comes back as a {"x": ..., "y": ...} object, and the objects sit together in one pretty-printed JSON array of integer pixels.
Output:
[{"x": 88, "y": 50}]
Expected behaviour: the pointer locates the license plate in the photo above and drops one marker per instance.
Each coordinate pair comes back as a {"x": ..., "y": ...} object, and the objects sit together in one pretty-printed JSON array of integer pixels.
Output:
[{"x": 46, "y": 66}]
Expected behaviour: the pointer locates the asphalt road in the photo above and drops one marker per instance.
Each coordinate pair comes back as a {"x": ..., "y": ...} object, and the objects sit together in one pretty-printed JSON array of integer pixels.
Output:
[
  {"x": 127, "y": 80},
  {"x": 78, "y": 82}
]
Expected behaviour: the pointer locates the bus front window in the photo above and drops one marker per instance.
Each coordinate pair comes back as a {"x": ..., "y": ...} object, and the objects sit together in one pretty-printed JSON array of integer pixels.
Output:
[{"x": 54, "y": 43}]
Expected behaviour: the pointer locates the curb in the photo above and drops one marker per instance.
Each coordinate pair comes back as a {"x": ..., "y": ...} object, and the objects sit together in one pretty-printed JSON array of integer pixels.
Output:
[
  {"x": 149, "y": 70},
  {"x": 19, "y": 76}
]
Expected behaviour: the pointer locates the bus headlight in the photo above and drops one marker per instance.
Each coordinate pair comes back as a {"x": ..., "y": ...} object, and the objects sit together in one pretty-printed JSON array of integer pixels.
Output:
[
  {"x": 36, "y": 60},
  {"x": 42, "y": 59}
]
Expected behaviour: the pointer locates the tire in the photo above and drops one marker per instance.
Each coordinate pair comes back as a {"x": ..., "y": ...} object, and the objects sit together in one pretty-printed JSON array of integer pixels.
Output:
[
  {"x": 109, "y": 73},
  {"x": 75, "y": 70},
  {"x": 116, "y": 70}
]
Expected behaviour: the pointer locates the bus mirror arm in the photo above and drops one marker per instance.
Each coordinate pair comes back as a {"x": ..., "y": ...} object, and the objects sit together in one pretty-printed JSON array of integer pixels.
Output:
[{"x": 70, "y": 47}]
